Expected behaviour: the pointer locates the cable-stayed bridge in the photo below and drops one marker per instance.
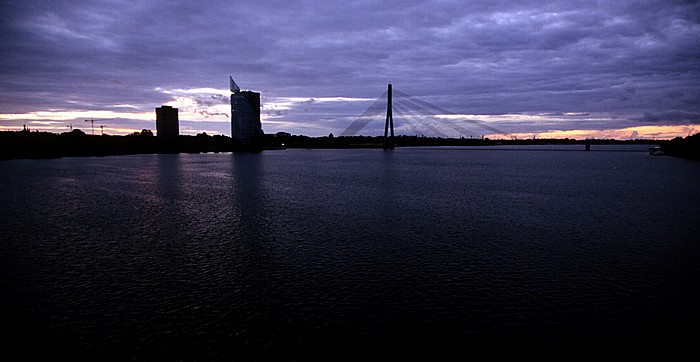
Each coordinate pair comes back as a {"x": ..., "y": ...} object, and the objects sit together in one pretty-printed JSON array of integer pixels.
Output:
[{"x": 418, "y": 114}]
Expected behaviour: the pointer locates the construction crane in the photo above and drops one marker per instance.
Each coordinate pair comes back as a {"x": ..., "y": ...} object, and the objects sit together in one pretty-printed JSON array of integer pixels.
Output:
[{"x": 92, "y": 125}]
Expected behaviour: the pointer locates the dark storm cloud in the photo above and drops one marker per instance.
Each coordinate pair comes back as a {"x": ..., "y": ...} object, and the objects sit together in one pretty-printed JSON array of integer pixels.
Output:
[
  {"x": 671, "y": 117},
  {"x": 635, "y": 60}
]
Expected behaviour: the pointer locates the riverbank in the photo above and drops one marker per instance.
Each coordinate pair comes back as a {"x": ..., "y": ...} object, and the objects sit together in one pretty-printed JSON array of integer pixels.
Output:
[
  {"x": 36, "y": 145},
  {"x": 688, "y": 147}
]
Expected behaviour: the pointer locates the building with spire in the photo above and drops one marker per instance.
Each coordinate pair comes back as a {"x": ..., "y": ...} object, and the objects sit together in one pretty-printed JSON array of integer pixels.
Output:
[{"x": 245, "y": 114}]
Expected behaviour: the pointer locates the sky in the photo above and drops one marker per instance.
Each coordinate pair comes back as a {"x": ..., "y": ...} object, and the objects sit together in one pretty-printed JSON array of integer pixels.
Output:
[{"x": 579, "y": 69}]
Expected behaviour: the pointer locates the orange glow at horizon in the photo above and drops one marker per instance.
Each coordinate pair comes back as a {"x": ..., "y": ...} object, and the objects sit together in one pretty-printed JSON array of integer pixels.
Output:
[
  {"x": 59, "y": 121},
  {"x": 637, "y": 132}
]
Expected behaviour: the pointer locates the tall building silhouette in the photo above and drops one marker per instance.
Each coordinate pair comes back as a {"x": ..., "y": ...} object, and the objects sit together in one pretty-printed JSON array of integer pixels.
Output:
[
  {"x": 167, "y": 122},
  {"x": 245, "y": 114}
]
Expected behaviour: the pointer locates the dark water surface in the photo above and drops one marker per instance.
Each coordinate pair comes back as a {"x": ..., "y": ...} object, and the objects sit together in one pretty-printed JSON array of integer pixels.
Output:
[{"x": 351, "y": 253}]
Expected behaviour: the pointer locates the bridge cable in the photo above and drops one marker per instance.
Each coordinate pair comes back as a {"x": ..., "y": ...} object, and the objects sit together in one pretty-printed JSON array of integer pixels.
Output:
[
  {"x": 361, "y": 122},
  {"x": 444, "y": 111},
  {"x": 427, "y": 113},
  {"x": 403, "y": 114},
  {"x": 409, "y": 112}
]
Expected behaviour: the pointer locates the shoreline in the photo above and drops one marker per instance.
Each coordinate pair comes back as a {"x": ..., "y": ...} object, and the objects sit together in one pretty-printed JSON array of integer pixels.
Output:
[{"x": 44, "y": 145}]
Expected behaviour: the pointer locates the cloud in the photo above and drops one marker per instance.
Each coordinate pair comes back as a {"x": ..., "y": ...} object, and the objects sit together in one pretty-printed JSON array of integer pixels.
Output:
[
  {"x": 624, "y": 62},
  {"x": 675, "y": 117}
]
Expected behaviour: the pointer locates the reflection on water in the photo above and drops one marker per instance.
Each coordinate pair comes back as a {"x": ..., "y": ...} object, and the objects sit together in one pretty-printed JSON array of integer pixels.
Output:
[{"x": 321, "y": 252}]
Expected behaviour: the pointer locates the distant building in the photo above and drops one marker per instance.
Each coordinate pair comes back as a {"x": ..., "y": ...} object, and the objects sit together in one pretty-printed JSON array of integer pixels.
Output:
[
  {"x": 167, "y": 122},
  {"x": 245, "y": 114}
]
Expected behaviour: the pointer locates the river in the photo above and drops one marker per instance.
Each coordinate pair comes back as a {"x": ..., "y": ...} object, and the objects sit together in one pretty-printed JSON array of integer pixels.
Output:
[{"x": 299, "y": 254}]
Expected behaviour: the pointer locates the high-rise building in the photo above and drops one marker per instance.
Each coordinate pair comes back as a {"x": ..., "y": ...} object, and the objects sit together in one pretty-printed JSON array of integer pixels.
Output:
[
  {"x": 167, "y": 123},
  {"x": 245, "y": 114}
]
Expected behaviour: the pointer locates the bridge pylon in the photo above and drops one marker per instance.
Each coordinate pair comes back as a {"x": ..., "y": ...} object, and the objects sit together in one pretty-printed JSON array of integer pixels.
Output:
[{"x": 389, "y": 124}]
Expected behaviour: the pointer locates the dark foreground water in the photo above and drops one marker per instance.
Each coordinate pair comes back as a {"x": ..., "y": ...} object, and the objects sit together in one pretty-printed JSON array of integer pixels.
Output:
[{"x": 299, "y": 254}]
